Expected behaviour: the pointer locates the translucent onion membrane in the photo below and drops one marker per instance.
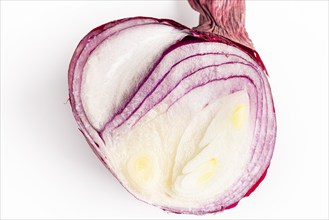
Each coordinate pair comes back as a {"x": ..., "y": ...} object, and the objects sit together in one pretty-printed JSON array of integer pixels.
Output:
[{"x": 183, "y": 118}]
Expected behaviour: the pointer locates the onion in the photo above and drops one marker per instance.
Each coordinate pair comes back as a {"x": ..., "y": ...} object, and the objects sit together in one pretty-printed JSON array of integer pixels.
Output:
[{"x": 182, "y": 117}]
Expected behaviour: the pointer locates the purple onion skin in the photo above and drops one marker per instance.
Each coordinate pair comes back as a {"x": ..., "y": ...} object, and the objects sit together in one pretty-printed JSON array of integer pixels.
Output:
[{"x": 241, "y": 42}]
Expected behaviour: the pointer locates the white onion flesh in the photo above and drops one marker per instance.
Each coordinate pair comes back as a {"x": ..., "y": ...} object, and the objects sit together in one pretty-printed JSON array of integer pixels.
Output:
[{"x": 108, "y": 72}]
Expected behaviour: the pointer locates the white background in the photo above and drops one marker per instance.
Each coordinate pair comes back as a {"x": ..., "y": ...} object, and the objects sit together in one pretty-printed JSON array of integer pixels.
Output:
[{"x": 49, "y": 171}]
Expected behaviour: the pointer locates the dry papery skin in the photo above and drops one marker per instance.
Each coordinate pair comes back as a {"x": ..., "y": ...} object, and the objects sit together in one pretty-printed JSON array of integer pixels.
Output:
[{"x": 183, "y": 118}]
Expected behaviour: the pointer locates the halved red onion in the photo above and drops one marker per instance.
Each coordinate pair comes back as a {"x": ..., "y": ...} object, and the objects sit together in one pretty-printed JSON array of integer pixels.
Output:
[{"x": 183, "y": 118}]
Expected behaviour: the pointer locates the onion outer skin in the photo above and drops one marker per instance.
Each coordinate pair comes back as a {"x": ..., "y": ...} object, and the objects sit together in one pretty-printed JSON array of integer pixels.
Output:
[{"x": 91, "y": 136}]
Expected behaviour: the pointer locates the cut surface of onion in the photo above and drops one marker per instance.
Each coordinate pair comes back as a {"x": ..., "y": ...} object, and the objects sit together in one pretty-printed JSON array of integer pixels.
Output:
[{"x": 184, "y": 119}]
